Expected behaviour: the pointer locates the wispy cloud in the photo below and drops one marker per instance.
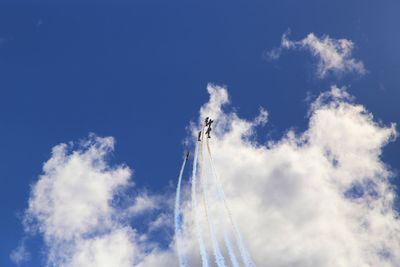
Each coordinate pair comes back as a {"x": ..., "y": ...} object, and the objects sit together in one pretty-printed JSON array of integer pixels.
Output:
[
  {"x": 332, "y": 55},
  {"x": 20, "y": 255}
]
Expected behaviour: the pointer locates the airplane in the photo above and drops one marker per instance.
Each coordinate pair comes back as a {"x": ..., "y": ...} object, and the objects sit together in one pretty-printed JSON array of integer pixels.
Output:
[
  {"x": 208, "y": 121},
  {"x": 208, "y": 131},
  {"x": 187, "y": 155}
]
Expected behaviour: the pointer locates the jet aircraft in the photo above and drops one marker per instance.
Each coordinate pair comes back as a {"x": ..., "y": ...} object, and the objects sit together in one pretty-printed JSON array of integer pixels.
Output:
[
  {"x": 208, "y": 131},
  {"x": 208, "y": 121}
]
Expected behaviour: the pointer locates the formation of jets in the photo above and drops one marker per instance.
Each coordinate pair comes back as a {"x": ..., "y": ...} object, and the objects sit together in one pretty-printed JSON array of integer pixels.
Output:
[{"x": 208, "y": 123}]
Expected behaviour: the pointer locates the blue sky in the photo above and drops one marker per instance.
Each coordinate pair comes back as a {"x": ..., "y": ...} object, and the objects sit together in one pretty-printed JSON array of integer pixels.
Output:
[{"x": 138, "y": 71}]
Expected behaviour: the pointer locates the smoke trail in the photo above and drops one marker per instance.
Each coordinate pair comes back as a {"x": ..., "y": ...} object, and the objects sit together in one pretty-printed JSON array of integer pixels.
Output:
[
  {"x": 203, "y": 251},
  {"x": 231, "y": 252},
  {"x": 178, "y": 218},
  {"x": 219, "y": 258},
  {"x": 243, "y": 251},
  {"x": 227, "y": 240}
]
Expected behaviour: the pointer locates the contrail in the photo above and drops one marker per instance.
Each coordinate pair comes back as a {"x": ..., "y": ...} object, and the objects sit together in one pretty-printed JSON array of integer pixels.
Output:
[
  {"x": 178, "y": 218},
  {"x": 243, "y": 251},
  {"x": 203, "y": 251},
  {"x": 219, "y": 258}
]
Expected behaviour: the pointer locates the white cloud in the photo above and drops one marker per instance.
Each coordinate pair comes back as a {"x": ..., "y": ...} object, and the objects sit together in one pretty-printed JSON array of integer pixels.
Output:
[
  {"x": 71, "y": 205},
  {"x": 162, "y": 221},
  {"x": 116, "y": 248},
  {"x": 333, "y": 55},
  {"x": 317, "y": 198},
  {"x": 20, "y": 254},
  {"x": 79, "y": 184},
  {"x": 144, "y": 203}
]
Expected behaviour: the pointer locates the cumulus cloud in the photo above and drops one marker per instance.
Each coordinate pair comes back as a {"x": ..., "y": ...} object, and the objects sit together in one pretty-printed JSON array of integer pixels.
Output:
[
  {"x": 317, "y": 198},
  {"x": 332, "y": 55},
  {"x": 71, "y": 206},
  {"x": 321, "y": 197}
]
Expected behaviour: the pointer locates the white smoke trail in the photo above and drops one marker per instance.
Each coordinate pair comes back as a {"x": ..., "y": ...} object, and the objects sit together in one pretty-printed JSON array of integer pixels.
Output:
[
  {"x": 203, "y": 251},
  {"x": 227, "y": 241},
  {"x": 219, "y": 258},
  {"x": 239, "y": 240},
  {"x": 231, "y": 251},
  {"x": 178, "y": 219}
]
